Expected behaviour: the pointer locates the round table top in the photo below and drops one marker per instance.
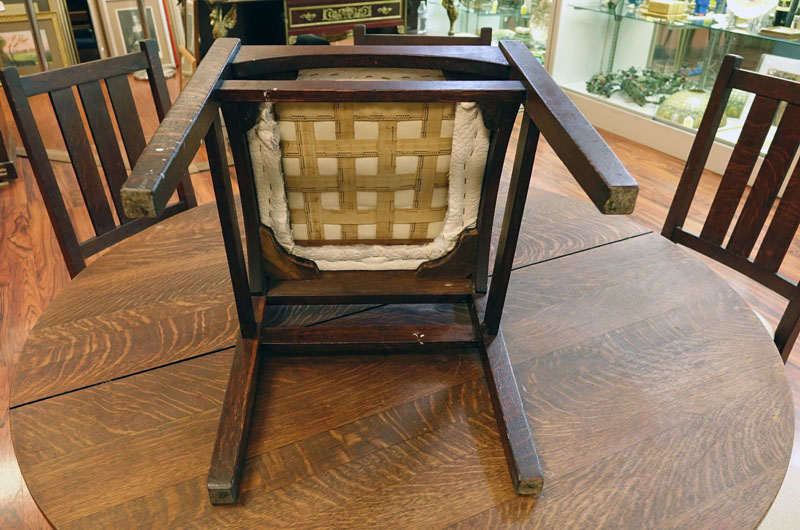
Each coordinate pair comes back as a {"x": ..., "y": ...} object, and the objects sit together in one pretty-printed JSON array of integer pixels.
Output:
[{"x": 655, "y": 397}]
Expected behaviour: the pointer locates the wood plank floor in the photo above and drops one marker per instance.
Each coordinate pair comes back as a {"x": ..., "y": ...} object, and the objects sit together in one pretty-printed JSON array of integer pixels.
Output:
[{"x": 32, "y": 270}]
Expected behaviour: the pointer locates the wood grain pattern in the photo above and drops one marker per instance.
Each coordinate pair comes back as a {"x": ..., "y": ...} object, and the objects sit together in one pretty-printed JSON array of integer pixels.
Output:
[
  {"x": 602, "y": 176},
  {"x": 346, "y": 441},
  {"x": 149, "y": 188},
  {"x": 107, "y": 228},
  {"x": 33, "y": 273},
  {"x": 752, "y": 211},
  {"x": 254, "y": 61},
  {"x": 369, "y": 91}
]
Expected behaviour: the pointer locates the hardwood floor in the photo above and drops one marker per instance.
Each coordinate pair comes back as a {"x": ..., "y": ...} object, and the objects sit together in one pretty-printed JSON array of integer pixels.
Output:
[{"x": 32, "y": 270}]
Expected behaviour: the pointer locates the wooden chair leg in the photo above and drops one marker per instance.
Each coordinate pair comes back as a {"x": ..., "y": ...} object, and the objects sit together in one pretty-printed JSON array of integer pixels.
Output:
[
  {"x": 523, "y": 461},
  {"x": 788, "y": 329},
  {"x": 227, "y": 461}
]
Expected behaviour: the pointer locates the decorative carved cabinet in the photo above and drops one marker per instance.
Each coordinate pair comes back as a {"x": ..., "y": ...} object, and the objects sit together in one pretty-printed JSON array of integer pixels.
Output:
[{"x": 323, "y": 17}]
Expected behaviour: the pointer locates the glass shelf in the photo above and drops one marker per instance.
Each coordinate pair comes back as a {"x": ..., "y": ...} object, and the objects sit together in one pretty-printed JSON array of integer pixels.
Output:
[
  {"x": 691, "y": 22},
  {"x": 622, "y": 38}
]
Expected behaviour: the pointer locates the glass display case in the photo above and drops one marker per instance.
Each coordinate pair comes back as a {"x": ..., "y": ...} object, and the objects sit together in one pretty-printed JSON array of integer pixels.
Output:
[
  {"x": 528, "y": 21},
  {"x": 660, "y": 67}
]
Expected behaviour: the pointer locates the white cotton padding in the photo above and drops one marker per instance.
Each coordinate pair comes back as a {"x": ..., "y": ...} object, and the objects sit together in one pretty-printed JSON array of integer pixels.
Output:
[{"x": 467, "y": 165}]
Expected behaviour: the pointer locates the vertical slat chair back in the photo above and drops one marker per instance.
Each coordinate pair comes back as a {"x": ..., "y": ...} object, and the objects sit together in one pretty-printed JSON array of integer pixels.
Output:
[
  {"x": 76, "y": 94},
  {"x": 753, "y": 242}
]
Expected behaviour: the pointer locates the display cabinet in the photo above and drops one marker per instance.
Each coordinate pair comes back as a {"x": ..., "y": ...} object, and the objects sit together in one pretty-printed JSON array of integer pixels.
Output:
[
  {"x": 528, "y": 22},
  {"x": 648, "y": 78}
]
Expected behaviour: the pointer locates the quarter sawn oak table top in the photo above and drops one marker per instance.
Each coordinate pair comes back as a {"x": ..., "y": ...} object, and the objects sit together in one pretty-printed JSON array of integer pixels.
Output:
[{"x": 655, "y": 397}]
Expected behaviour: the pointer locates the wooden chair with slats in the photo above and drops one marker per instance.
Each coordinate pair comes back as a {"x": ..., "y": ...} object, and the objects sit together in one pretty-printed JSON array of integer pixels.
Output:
[
  {"x": 361, "y": 37},
  {"x": 91, "y": 80},
  {"x": 363, "y": 186},
  {"x": 732, "y": 239}
]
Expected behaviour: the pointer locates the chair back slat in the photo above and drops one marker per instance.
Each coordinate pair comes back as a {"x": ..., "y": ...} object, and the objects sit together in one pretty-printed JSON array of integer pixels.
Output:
[
  {"x": 158, "y": 86},
  {"x": 85, "y": 81},
  {"x": 155, "y": 76},
  {"x": 40, "y": 163},
  {"x": 80, "y": 153},
  {"x": 103, "y": 131},
  {"x": 82, "y": 73},
  {"x": 783, "y": 226},
  {"x": 769, "y": 94},
  {"x": 119, "y": 91},
  {"x": 739, "y": 169},
  {"x": 767, "y": 184}
]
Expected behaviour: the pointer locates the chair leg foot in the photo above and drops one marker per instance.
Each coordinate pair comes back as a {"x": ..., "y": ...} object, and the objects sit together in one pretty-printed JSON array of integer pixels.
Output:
[
  {"x": 227, "y": 461},
  {"x": 523, "y": 461}
]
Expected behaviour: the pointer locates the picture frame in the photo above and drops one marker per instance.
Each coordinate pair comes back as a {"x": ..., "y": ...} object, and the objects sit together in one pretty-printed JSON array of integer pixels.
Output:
[
  {"x": 17, "y": 46},
  {"x": 17, "y": 7},
  {"x": 123, "y": 30}
]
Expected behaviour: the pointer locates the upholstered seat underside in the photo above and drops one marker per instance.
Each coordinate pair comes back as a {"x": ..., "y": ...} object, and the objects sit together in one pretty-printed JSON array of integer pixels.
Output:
[{"x": 368, "y": 186}]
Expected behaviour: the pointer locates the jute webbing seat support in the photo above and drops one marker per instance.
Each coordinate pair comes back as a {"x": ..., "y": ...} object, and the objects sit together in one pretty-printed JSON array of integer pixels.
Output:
[{"x": 348, "y": 190}]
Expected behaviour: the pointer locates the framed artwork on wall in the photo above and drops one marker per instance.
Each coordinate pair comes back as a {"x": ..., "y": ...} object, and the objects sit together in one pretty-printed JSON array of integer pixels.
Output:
[
  {"x": 124, "y": 29},
  {"x": 17, "y": 45},
  {"x": 59, "y": 7}
]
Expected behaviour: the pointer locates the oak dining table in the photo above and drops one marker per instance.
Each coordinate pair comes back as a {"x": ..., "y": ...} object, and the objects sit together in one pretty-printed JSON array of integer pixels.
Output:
[{"x": 655, "y": 397}]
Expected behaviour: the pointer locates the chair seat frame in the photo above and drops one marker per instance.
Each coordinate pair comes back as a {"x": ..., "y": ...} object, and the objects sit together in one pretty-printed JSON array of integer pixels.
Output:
[{"x": 231, "y": 77}]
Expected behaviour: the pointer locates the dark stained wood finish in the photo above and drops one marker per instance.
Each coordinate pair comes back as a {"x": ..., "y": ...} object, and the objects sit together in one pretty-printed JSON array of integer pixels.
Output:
[
  {"x": 369, "y": 338},
  {"x": 354, "y": 287},
  {"x": 361, "y": 37},
  {"x": 602, "y": 176},
  {"x": 768, "y": 181},
  {"x": 227, "y": 461},
  {"x": 109, "y": 152},
  {"x": 153, "y": 180},
  {"x": 368, "y": 91},
  {"x": 701, "y": 147},
  {"x": 165, "y": 159},
  {"x": 521, "y": 456},
  {"x": 759, "y": 204},
  {"x": 458, "y": 263},
  {"x": 740, "y": 167},
  {"x": 255, "y": 61},
  {"x": 119, "y": 92},
  {"x": 279, "y": 264},
  {"x": 505, "y": 117},
  {"x": 253, "y": 231},
  {"x": 231, "y": 235},
  {"x": 625, "y": 347},
  {"x": 782, "y": 89},
  {"x": 80, "y": 153},
  {"x": 34, "y": 273},
  {"x": 40, "y": 164},
  {"x": 82, "y": 73},
  {"x": 110, "y": 225},
  {"x": 512, "y": 220}
]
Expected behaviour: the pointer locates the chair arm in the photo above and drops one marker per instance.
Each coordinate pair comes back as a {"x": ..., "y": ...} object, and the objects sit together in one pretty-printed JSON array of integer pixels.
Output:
[
  {"x": 167, "y": 156},
  {"x": 592, "y": 163}
]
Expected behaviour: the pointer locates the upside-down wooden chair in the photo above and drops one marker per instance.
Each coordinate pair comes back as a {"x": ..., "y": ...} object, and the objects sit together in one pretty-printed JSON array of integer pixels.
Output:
[
  {"x": 361, "y": 37},
  {"x": 732, "y": 239},
  {"x": 88, "y": 79},
  {"x": 345, "y": 187}
]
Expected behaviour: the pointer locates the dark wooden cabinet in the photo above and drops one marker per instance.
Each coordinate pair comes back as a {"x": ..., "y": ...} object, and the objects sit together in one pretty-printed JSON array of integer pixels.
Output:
[{"x": 325, "y": 17}]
